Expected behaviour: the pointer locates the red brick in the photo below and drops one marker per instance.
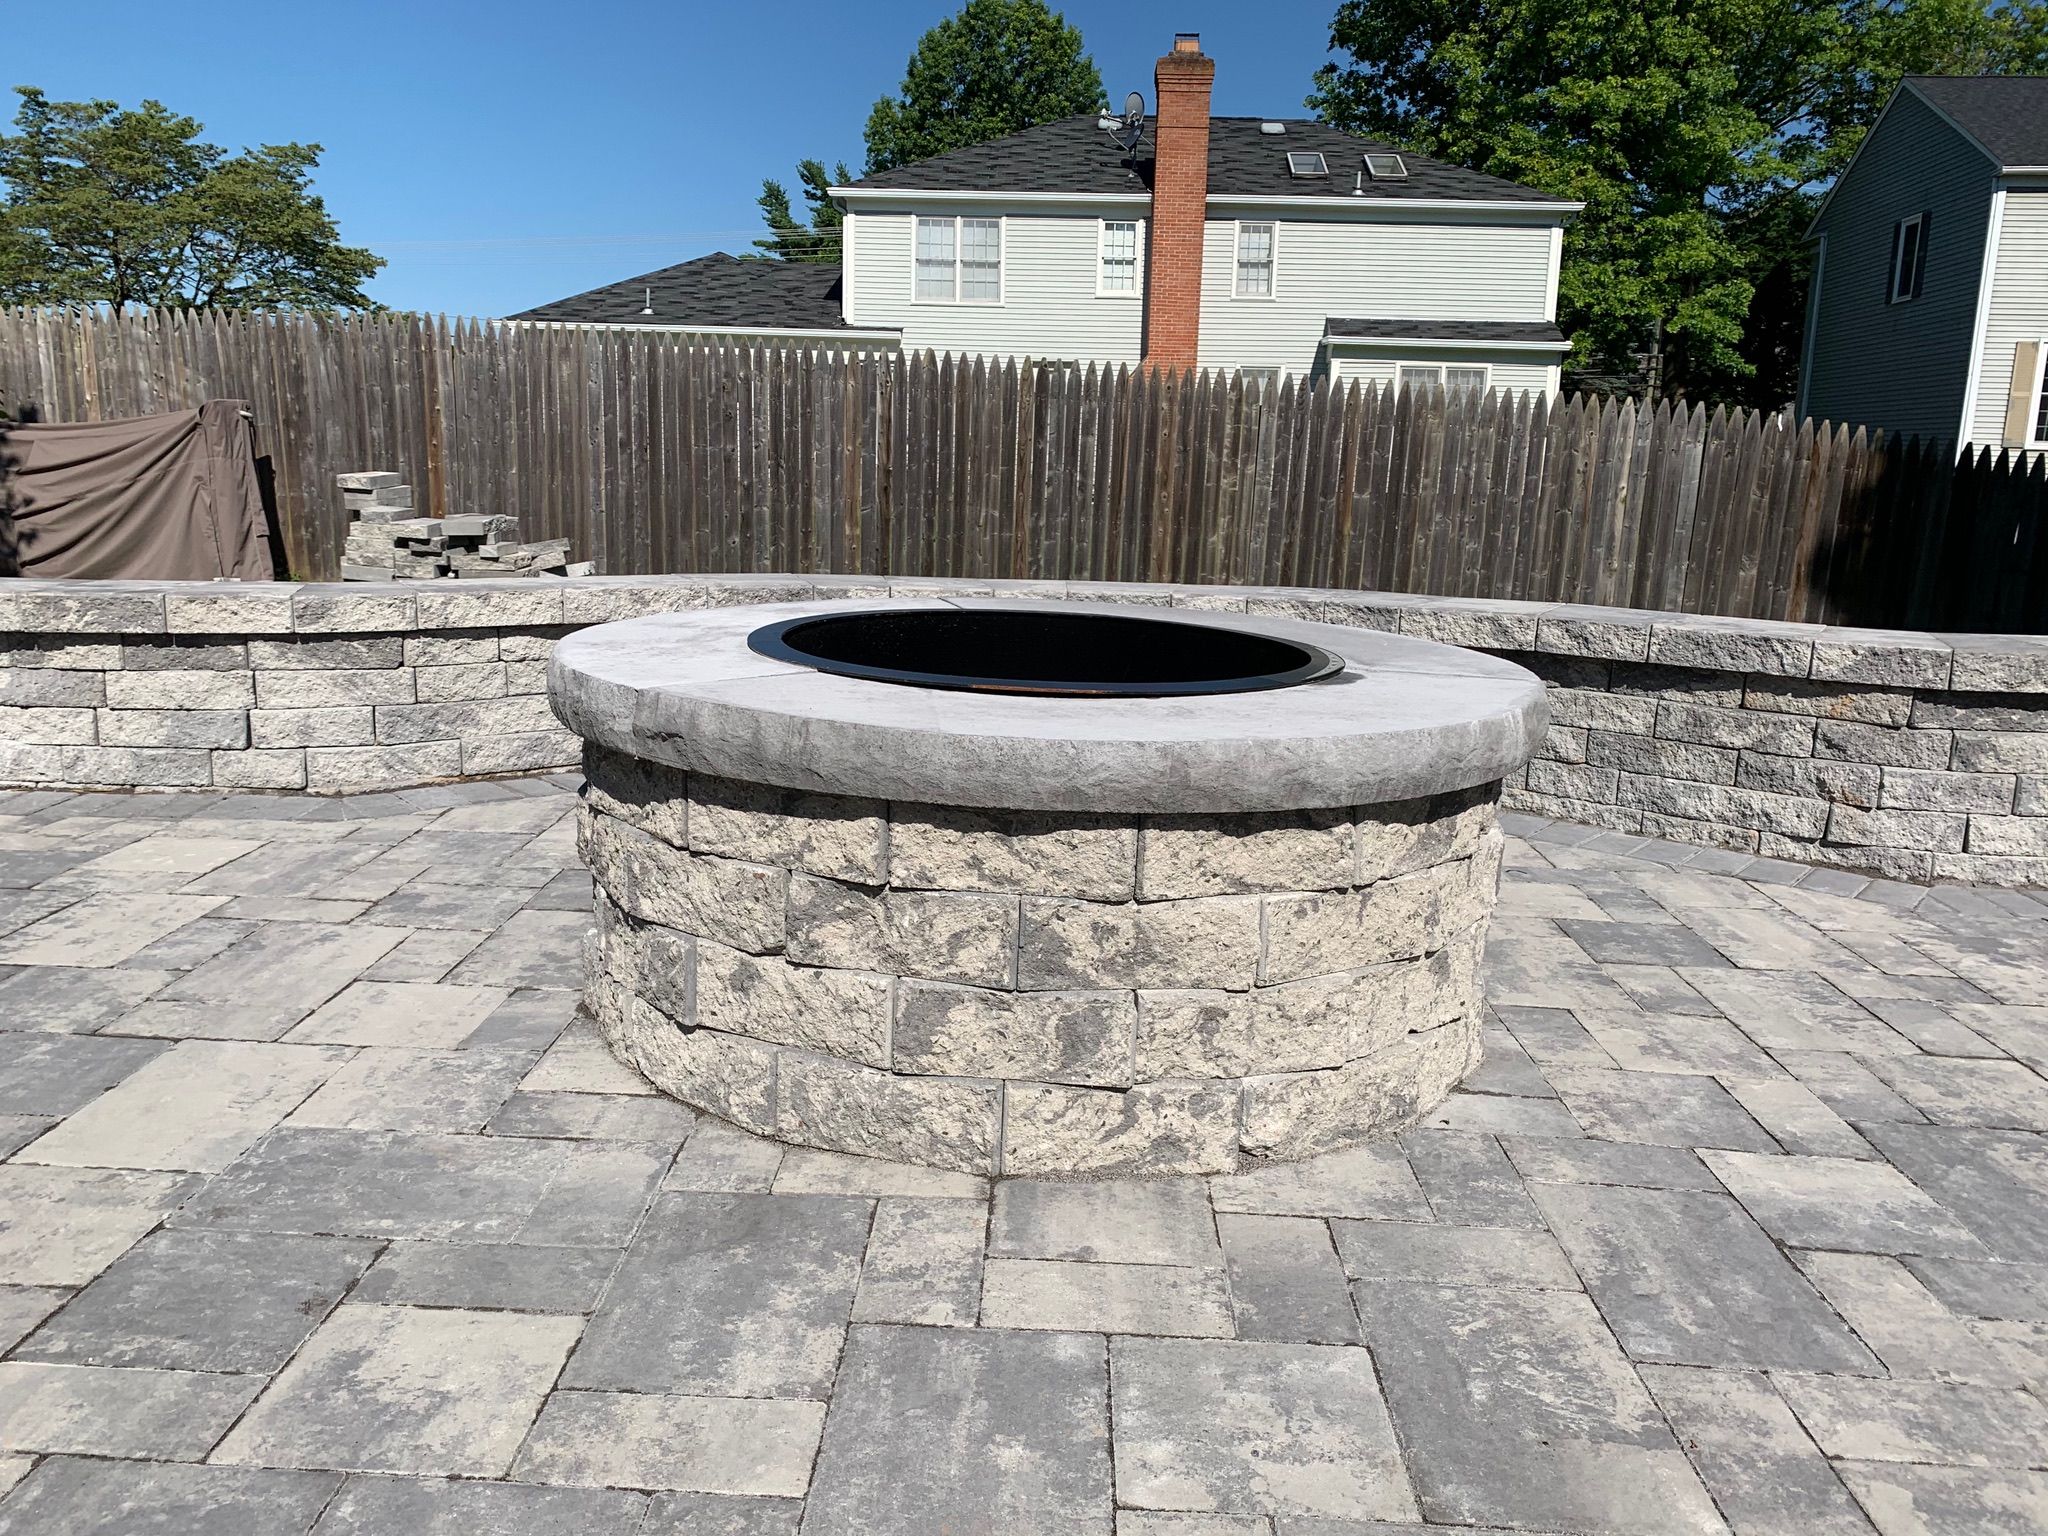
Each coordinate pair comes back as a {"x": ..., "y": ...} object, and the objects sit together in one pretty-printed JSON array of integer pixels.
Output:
[{"x": 1181, "y": 82}]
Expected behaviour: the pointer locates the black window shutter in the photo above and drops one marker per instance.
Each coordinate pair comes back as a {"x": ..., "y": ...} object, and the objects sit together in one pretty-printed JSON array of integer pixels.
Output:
[
  {"x": 1920, "y": 256},
  {"x": 1891, "y": 271}
]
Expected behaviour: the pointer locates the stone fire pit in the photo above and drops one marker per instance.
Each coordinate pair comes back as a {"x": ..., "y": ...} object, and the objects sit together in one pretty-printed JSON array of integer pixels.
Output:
[{"x": 1042, "y": 936}]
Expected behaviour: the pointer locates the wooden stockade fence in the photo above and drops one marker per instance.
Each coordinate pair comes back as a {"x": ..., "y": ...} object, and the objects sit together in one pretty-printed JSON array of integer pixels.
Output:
[{"x": 651, "y": 455}]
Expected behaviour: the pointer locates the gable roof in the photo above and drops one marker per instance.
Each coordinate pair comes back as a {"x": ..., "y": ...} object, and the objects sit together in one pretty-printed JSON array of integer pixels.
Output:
[
  {"x": 2005, "y": 115},
  {"x": 1073, "y": 156},
  {"x": 717, "y": 292}
]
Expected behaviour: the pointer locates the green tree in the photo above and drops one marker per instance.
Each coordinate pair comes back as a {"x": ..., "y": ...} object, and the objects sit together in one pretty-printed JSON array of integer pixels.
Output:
[
  {"x": 107, "y": 205},
  {"x": 1700, "y": 134},
  {"x": 998, "y": 67},
  {"x": 787, "y": 239}
]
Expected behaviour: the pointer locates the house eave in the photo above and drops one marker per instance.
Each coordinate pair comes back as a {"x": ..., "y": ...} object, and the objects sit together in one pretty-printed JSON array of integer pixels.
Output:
[
  {"x": 1391, "y": 207},
  {"x": 1968, "y": 137},
  {"x": 1375, "y": 207},
  {"x": 951, "y": 195},
  {"x": 1458, "y": 343},
  {"x": 775, "y": 332},
  {"x": 1813, "y": 230}
]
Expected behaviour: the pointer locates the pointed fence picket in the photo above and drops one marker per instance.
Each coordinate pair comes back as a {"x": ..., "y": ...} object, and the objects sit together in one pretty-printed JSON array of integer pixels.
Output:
[{"x": 651, "y": 454}]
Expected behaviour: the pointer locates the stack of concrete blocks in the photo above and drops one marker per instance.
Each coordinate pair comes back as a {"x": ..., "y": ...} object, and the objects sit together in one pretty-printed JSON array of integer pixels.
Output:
[{"x": 386, "y": 542}]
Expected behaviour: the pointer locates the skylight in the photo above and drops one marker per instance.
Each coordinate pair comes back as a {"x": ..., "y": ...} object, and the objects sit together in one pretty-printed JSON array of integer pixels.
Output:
[
  {"x": 1386, "y": 167},
  {"x": 1307, "y": 163}
]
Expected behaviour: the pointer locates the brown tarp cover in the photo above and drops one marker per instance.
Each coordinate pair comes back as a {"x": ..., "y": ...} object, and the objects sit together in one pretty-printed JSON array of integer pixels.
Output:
[{"x": 144, "y": 498}]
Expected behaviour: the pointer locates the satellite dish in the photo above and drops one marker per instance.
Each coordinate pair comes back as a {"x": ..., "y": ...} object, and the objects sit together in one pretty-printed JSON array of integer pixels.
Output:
[{"x": 1130, "y": 128}]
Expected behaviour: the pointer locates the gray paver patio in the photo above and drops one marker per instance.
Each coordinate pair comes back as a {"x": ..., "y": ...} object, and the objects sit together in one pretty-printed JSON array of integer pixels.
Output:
[{"x": 320, "y": 1213}]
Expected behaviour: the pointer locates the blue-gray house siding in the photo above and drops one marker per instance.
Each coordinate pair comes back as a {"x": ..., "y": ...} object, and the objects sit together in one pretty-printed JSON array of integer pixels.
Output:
[{"x": 1903, "y": 367}]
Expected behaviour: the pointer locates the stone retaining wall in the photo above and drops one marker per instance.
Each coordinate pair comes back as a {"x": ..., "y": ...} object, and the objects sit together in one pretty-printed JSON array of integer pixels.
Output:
[
  {"x": 1922, "y": 757},
  {"x": 1042, "y": 994}
]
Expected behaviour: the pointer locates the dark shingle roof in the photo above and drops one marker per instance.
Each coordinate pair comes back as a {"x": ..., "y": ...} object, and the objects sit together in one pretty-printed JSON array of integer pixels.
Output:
[
  {"x": 1072, "y": 155},
  {"x": 718, "y": 290},
  {"x": 1446, "y": 330},
  {"x": 2007, "y": 114}
]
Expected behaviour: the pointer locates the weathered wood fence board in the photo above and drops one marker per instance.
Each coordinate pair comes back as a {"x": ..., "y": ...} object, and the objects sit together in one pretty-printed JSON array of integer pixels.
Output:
[{"x": 651, "y": 455}]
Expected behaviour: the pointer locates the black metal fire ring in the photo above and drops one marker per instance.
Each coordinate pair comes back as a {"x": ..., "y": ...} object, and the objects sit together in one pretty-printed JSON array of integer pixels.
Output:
[{"x": 1050, "y": 654}]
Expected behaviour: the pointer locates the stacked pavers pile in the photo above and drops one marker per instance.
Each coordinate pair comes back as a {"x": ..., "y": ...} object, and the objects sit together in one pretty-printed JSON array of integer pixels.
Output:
[
  {"x": 1032, "y": 993},
  {"x": 386, "y": 542}
]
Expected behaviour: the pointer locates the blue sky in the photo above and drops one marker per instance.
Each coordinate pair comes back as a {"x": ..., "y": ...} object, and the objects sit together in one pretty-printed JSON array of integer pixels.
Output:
[{"x": 501, "y": 155}]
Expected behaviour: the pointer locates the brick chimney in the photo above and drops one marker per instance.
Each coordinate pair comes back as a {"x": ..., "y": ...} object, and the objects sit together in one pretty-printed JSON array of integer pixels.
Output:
[{"x": 1180, "y": 203}]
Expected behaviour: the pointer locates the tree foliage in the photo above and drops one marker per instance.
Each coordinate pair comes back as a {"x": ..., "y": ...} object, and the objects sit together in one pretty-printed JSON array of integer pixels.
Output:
[
  {"x": 789, "y": 240},
  {"x": 998, "y": 67},
  {"x": 108, "y": 205},
  {"x": 1700, "y": 134}
]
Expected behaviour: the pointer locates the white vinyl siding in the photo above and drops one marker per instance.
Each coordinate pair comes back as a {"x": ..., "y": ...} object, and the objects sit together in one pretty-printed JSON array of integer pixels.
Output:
[
  {"x": 1904, "y": 367},
  {"x": 1366, "y": 269},
  {"x": 1052, "y": 306},
  {"x": 1056, "y": 305},
  {"x": 2019, "y": 307}
]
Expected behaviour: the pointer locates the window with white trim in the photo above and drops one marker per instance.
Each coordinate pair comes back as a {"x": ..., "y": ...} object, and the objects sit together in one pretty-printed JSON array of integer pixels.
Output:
[
  {"x": 936, "y": 270},
  {"x": 2026, "y": 398},
  {"x": 981, "y": 261},
  {"x": 1119, "y": 262},
  {"x": 1456, "y": 378},
  {"x": 1254, "y": 261},
  {"x": 959, "y": 261},
  {"x": 1909, "y": 259}
]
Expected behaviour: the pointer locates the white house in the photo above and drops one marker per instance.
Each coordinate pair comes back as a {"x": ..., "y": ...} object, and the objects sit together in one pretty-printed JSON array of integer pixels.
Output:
[
  {"x": 1928, "y": 309},
  {"x": 1231, "y": 243}
]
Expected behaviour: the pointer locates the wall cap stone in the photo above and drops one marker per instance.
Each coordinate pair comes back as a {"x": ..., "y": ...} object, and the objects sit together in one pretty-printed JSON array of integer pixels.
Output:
[{"x": 1981, "y": 663}]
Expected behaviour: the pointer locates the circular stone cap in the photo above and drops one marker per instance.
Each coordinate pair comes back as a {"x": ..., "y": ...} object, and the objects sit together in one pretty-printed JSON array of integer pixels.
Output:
[{"x": 1404, "y": 718}]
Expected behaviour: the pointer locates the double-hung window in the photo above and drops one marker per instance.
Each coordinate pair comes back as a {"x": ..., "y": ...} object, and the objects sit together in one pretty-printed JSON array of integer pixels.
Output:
[
  {"x": 981, "y": 261},
  {"x": 937, "y": 262},
  {"x": 1254, "y": 261},
  {"x": 1909, "y": 259},
  {"x": 960, "y": 261},
  {"x": 1435, "y": 376},
  {"x": 1119, "y": 264}
]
